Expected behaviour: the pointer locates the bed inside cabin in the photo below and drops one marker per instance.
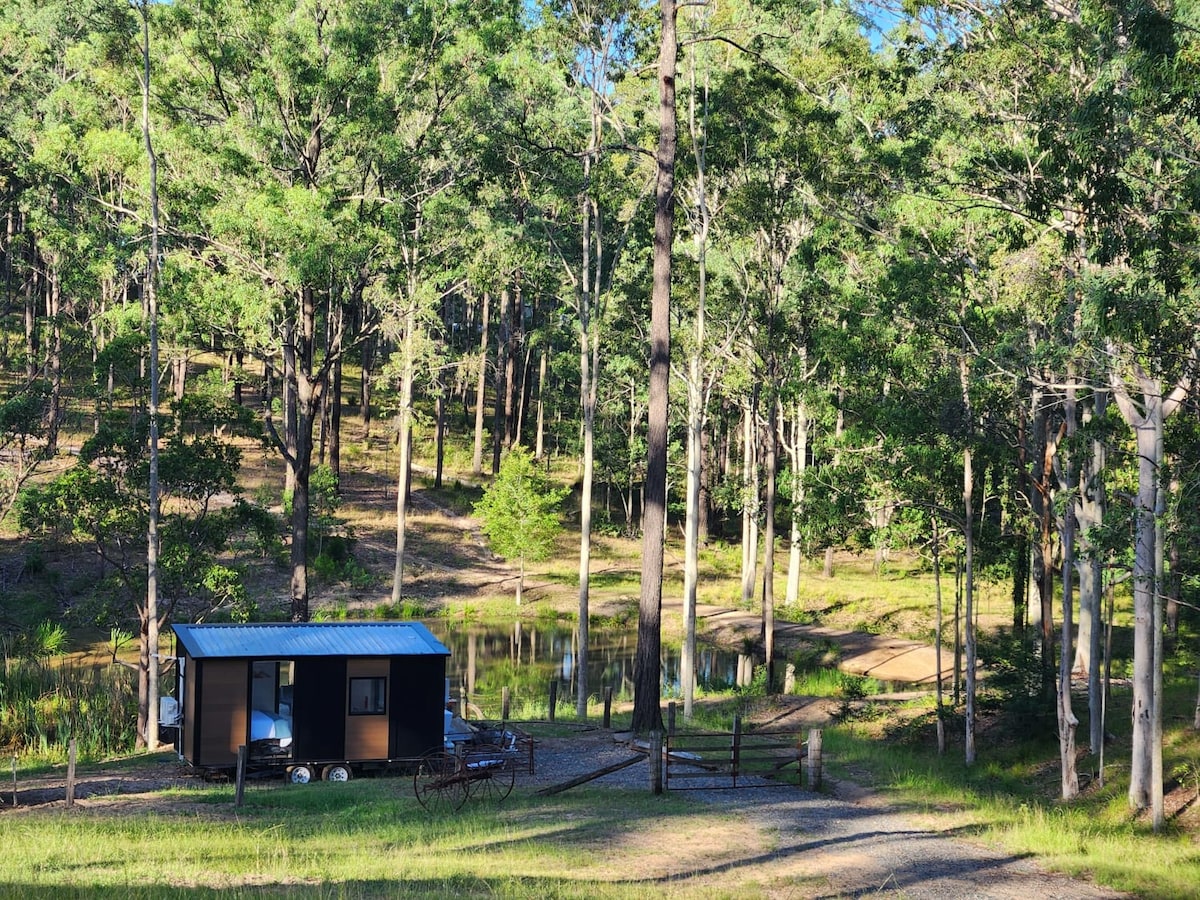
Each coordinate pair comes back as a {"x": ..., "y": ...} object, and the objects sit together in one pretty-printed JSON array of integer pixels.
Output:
[{"x": 271, "y": 708}]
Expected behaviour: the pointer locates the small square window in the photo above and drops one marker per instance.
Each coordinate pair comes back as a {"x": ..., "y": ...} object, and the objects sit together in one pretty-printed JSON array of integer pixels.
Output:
[{"x": 368, "y": 696}]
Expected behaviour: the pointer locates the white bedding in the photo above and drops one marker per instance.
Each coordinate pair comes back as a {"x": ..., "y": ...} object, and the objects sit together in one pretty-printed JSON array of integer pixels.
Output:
[{"x": 264, "y": 725}]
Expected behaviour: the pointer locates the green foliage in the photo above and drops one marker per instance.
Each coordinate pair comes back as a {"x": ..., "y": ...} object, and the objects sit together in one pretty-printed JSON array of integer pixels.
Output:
[
  {"x": 42, "y": 707},
  {"x": 40, "y": 643},
  {"x": 519, "y": 509}
]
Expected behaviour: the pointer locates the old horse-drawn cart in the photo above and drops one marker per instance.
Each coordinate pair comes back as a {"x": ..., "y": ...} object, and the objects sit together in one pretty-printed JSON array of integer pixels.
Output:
[{"x": 477, "y": 761}]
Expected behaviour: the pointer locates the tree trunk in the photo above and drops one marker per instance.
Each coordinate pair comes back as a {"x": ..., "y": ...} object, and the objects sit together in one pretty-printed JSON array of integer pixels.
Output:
[
  {"x": 1145, "y": 778},
  {"x": 797, "y": 450},
  {"x": 937, "y": 636},
  {"x": 333, "y": 399},
  {"x": 691, "y": 550},
  {"x": 539, "y": 442},
  {"x": 480, "y": 387},
  {"x": 1046, "y": 549},
  {"x": 502, "y": 345},
  {"x": 749, "y": 500},
  {"x": 54, "y": 358},
  {"x": 1089, "y": 513},
  {"x": 1067, "y": 722},
  {"x": 31, "y": 330},
  {"x": 148, "y": 702},
  {"x": 514, "y": 318},
  {"x": 969, "y": 603},
  {"x": 647, "y": 716},
  {"x": 407, "y": 366},
  {"x": 768, "y": 594},
  {"x": 364, "y": 385}
]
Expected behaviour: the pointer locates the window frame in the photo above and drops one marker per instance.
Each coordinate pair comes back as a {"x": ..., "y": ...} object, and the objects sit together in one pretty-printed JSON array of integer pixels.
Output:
[{"x": 376, "y": 693}]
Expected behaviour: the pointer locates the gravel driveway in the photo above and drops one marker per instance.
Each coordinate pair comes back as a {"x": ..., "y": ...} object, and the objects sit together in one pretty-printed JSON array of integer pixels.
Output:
[{"x": 824, "y": 846}]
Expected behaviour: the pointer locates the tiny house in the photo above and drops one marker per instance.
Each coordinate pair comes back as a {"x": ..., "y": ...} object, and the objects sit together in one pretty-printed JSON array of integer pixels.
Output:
[{"x": 310, "y": 698}]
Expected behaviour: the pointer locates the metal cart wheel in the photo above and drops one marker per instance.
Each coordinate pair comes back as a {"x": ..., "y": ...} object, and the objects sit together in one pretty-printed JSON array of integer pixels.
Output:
[
  {"x": 300, "y": 774},
  {"x": 336, "y": 772},
  {"x": 491, "y": 774},
  {"x": 439, "y": 783}
]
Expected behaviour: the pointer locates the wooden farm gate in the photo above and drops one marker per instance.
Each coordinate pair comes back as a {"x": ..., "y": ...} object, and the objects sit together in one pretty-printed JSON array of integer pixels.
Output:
[{"x": 722, "y": 760}]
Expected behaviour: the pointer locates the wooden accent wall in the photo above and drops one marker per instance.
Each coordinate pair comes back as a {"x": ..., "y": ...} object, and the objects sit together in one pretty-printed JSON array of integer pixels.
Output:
[
  {"x": 223, "y": 726},
  {"x": 367, "y": 736},
  {"x": 187, "y": 737}
]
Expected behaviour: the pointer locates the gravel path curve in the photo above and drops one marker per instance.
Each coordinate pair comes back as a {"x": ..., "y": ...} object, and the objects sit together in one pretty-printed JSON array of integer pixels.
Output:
[{"x": 824, "y": 846}]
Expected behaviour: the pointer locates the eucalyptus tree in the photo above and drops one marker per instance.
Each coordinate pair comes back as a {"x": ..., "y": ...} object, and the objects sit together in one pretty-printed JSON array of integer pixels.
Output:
[
  {"x": 782, "y": 126},
  {"x": 68, "y": 167},
  {"x": 272, "y": 107},
  {"x": 584, "y": 145},
  {"x": 435, "y": 73},
  {"x": 647, "y": 675}
]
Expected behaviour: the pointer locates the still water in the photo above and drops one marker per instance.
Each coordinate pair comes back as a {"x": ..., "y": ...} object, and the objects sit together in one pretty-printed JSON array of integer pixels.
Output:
[{"x": 525, "y": 657}]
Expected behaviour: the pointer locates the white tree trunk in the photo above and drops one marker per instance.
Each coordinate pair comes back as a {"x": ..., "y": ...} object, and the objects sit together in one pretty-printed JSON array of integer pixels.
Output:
[
  {"x": 1089, "y": 512},
  {"x": 797, "y": 450},
  {"x": 408, "y": 352},
  {"x": 749, "y": 503},
  {"x": 1145, "y": 777}
]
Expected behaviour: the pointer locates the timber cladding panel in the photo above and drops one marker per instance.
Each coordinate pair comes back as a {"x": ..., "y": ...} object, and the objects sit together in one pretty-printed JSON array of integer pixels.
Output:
[
  {"x": 223, "y": 702},
  {"x": 367, "y": 735},
  {"x": 188, "y": 737}
]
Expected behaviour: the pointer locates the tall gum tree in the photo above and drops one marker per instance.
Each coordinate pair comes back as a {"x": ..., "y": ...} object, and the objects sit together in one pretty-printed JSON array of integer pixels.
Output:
[
  {"x": 271, "y": 97},
  {"x": 590, "y": 142},
  {"x": 647, "y": 677}
]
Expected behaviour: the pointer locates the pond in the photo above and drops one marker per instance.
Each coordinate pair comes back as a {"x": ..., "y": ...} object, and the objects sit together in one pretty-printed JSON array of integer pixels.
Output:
[{"x": 525, "y": 657}]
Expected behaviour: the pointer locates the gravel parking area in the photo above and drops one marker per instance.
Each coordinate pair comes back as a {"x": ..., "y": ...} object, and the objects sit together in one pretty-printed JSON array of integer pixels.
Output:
[{"x": 826, "y": 846}]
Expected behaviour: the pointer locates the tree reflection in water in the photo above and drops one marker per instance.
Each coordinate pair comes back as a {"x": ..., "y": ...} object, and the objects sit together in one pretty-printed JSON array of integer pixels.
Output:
[{"x": 525, "y": 657}]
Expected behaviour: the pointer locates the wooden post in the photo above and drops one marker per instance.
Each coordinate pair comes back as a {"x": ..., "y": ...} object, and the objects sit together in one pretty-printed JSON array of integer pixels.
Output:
[
  {"x": 462, "y": 704},
  {"x": 656, "y": 762},
  {"x": 71, "y": 773},
  {"x": 553, "y": 696},
  {"x": 735, "y": 749},
  {"x": 504, "y": 704},
  {"x": 789, "y": 679},
  {"x": 240, "y": 789},
  {"x": 800, "y": 752},
  {"x": 814, "y": 759},
  {"x": 608, "y": 706},
  {"x": 671, "y": 718},
  {"x": 14, "y": 768}
]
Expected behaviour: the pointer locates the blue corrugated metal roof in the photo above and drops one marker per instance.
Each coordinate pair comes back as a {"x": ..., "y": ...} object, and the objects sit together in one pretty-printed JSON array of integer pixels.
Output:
[{"x": 288, "y": 640}]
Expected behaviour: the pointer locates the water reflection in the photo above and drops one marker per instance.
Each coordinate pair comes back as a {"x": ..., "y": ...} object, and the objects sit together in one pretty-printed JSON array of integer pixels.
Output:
[{"x": 524, "y": 657}]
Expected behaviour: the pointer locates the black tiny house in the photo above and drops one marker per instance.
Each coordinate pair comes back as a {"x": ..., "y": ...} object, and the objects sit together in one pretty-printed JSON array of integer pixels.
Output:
[{"x": 311, "y": 697}]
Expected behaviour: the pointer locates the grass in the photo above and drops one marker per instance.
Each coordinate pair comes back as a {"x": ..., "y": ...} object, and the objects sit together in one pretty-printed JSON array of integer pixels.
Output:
[
  {"x": 364, "y": 839},
  {"x": 368, "y": 838},
  {"x": 1008, "y": 798}
]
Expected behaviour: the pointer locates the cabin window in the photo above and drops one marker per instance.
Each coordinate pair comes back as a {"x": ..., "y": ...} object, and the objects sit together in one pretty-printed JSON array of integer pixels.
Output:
[{"x": 368, "y": 696}]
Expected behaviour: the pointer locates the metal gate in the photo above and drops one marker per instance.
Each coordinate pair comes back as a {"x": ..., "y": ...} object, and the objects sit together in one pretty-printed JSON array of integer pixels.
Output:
[{"x": 723, "y": 760}]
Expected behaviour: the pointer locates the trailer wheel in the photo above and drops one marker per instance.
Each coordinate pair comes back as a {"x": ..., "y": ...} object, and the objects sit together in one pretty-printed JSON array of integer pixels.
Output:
[
  {"x": 300, "y": 774},
  {"x": 336, "y": 772}
]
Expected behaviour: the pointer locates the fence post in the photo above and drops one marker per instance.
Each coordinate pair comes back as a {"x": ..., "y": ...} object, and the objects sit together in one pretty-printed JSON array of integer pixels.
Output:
[
  {"x": 671, "y": 718},
  {"x": 14, "y": 768},
  {"x": 71, "y": 752},
  {"x": 789, "y": 679},
  {"x": 504, "y": 704},
  {"x": 735, "y": 749},
  {"x": 814, "y": 759},
  {"x": 608, "y": 706},
  {"x": 553, "y": 697},
  {"x": 240, "y": 781},
  {"x": 656, "y": 762}
]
